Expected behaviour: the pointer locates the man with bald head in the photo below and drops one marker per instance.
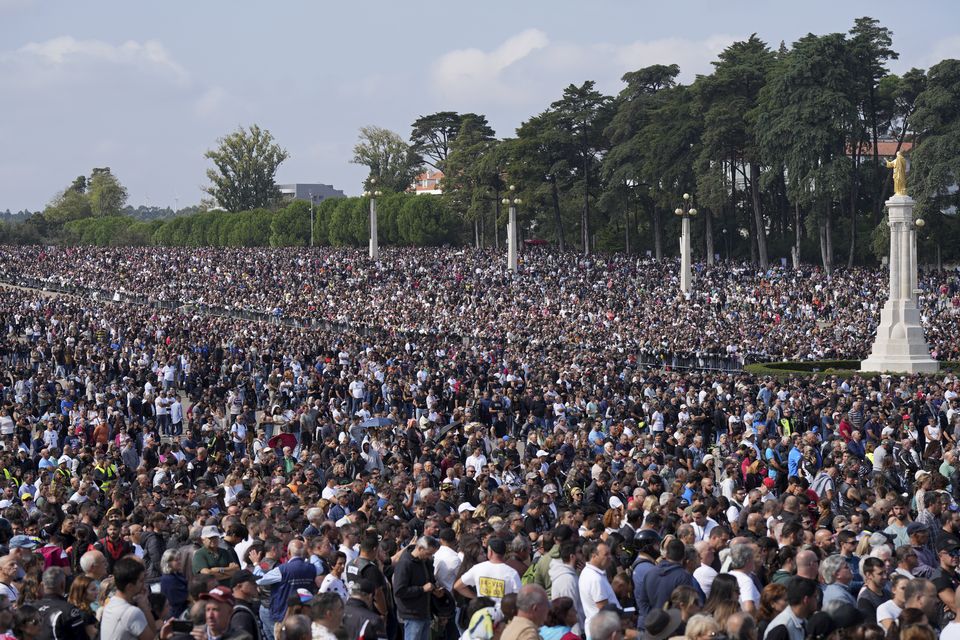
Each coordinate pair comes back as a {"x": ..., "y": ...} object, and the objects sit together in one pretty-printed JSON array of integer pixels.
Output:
[
  {"x": 741, "y": 626},
  {"x": 808, "y": 565},
  {"x": 296, "y": 573},
  {"x": 533, "y": 606}
]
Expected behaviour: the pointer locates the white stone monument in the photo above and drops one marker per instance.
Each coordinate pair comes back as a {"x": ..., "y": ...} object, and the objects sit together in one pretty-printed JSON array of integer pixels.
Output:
[{"x": 900, "y": 345}]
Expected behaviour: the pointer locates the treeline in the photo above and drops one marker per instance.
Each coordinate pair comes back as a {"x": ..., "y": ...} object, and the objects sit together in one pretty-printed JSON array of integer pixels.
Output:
[
  {"x": 402, "y": 219},
  {"x": 779, "y": 146}
]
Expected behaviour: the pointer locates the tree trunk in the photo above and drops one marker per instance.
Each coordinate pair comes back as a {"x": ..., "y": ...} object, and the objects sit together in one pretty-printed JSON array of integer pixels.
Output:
[
  {"x": 626, "y": 230},
  {"x": 796, "y": 234},
  {"x": 557, "y": 219},
  {"x": 733, "y": 202},
  {"x": 476, "y": 233},
  {"x": 826, "y": 240},
  {"x": 708, "y": 236},
  {"x": 585, "y": 223},
  {"x": 877, "y": 193},
  {"x": 854, "y": 193},
  {"x": 657, "y": 233},
  {"x": 496, "y": 220},
  {"x": 483, "y": 231},
  {"x": 758, "y": 215}
]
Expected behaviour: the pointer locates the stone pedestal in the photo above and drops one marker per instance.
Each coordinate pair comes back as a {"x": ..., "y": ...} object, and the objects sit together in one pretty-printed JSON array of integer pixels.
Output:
[{"x": 900, "y": 345}]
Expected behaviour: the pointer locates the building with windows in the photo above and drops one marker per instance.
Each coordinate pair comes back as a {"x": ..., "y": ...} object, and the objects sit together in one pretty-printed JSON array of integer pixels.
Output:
[
  {"x": 427, "y": 182},
  {"x": 308, "y": 192}
]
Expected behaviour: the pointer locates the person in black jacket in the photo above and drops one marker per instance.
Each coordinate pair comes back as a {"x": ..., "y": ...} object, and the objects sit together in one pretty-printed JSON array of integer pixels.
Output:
[
  {"x": 413, "y": 585},
  {"x": 359, "y": 618},
  {"x": 61, "y": 619},
  {"x": 246, "y": 615}
]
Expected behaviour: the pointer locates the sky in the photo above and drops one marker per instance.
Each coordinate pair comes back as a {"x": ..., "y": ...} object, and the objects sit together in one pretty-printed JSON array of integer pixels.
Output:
[{"x": 147, "y": 87}]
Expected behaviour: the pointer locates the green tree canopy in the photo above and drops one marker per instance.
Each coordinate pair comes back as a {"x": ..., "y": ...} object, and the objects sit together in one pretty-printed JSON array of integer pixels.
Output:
[
  {"x": 246, "y": 164},
  {"x": 392, "y": 162}
]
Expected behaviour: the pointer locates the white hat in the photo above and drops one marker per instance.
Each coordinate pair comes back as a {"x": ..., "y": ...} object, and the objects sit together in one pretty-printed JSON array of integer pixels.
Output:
[
  {"x": 615, "y": 502},
  {"x": 708, "y": 458},
  {"x": 465, "y": 506},
  {"x": 5, "y": 503},
  {"x": 541, "y": 454},
  {"x": 210, "y": 532},
  {"x": 920, "y": 474}
]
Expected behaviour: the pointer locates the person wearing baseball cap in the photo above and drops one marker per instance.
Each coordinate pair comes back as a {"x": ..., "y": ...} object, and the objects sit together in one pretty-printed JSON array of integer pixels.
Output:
[
  {"x": 218, "y": 609},
  {"x": 359, "y": 618},
  {"x": 245, "y": 594},
  {"x": 210, "y": 559}
]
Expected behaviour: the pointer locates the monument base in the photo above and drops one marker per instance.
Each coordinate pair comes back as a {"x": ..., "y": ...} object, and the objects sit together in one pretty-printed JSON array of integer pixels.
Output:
[{"x": 900, "y": 346}]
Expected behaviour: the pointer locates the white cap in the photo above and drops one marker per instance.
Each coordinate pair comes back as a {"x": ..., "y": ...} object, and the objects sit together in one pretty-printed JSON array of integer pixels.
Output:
[
  {"x": 210, "y": 532},
  {"x": 615, "y": 502},
  {"x": 541, "y": 453},
  {"x": 465, "y": 506}
]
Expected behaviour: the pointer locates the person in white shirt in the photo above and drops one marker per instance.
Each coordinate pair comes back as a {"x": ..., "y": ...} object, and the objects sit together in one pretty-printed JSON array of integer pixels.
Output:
[
  {"x": 595, "y": 589},
  {"x": 889, "y": 611},
  {"x": 742, "y": 562},
  {"x": 476, "y": 459},
  {"x": 446, "y": 561},
  {"x": 333, "y": 581},
  {"x": 705, "y": 573},
  {"x": 952, "y": 630},
  {"x": 492, "y": 579}
]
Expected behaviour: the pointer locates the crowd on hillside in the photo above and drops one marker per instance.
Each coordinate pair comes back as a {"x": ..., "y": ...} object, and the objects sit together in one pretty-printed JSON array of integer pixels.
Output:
[{"x": 173, "y": 473}]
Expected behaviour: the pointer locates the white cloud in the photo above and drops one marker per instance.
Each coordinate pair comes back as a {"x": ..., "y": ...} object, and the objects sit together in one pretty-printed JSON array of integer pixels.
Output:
[
  {"x": 693, "y": 56},
  {"x": 65, "y": 50},
  {"x": 529, "y": 69},
  {"x": 464, "y": 73}
]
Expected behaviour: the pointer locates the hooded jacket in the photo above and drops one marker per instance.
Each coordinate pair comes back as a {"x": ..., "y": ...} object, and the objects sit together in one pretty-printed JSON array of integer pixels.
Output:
[
  {"x": 659, "y": 584},
  {"x": 564, "y": 581}
]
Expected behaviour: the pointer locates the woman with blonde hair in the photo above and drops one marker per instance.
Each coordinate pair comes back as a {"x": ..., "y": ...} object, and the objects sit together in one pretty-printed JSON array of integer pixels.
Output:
[
  {"x": 702, "y": 627},
  {"x": 611, "y": 520},
  {"x": 83, "y": 593}
]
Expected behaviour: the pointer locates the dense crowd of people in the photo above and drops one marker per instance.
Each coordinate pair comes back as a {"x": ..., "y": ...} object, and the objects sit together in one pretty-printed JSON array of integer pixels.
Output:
[
  {"x": 613, "y": 304},
  {"x": 460, "y": 453}
]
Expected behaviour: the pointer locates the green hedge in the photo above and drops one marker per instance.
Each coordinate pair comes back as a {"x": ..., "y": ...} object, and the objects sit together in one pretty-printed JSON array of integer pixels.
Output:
[{"x": 403, "y": 219}]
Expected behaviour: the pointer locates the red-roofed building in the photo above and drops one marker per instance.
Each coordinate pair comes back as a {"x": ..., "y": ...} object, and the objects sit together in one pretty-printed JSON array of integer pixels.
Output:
[
  {"x": 886, "y": 148},
  {"x": 427, "y": 182}
]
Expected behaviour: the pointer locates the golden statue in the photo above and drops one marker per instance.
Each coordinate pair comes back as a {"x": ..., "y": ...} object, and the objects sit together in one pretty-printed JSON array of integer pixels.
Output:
[{"x": 899, "y": 167}]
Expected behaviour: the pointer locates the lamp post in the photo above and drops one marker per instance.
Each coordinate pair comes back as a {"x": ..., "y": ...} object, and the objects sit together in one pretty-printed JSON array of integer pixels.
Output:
[
  {"x": 512, "y": 229},
  {"x": 686, "y": 211},
  {"x": 373, "y": 195},
  {"x": 311, "y": 219}
]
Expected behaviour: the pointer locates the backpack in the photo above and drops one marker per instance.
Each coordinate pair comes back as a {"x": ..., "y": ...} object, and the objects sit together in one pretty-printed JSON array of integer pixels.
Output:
[{"x": 529, "y": 575}]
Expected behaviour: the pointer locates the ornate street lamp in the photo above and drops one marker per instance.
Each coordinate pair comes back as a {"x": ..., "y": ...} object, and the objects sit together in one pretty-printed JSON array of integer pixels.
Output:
[
  {"x": 513, "y": 202},
  {"x": 686, "y": 211},
  {"x": 373, "y": 195}
]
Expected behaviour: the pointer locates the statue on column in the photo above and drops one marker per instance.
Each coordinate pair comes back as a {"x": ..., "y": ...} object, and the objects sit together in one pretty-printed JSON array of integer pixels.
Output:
[{"x": 899, "y": 166}]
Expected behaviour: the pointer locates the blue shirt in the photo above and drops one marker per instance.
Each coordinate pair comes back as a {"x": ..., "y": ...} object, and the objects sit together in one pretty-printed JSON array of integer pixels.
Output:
[{"x": 793, "y": 462}]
